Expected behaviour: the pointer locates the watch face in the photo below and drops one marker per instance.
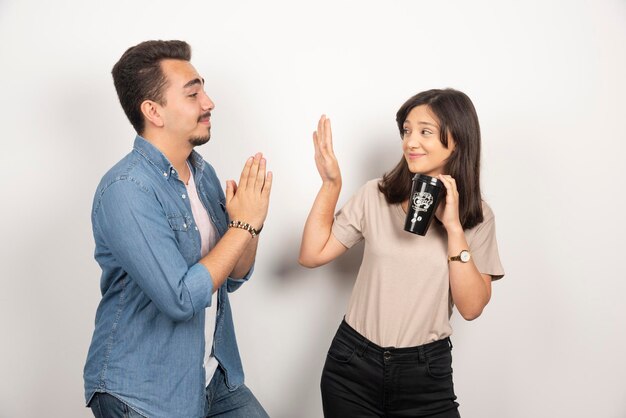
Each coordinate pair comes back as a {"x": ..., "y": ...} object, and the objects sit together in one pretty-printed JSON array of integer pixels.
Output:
[{"x": 465, "y": 256}]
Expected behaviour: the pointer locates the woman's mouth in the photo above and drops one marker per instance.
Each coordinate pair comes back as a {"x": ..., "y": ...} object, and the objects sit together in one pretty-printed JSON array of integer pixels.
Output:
[{"x": 415, "y": 156}]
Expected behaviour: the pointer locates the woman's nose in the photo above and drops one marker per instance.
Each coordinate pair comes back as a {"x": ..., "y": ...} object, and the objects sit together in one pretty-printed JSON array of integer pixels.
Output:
[{"x": 412, "y": 141}]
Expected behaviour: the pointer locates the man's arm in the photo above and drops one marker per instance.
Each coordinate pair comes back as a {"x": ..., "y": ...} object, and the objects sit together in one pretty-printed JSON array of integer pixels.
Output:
[
  {"x": 247, "y": 202},
  {"x": 246, "y": 261},
  {"x": 131, "y": 225}
]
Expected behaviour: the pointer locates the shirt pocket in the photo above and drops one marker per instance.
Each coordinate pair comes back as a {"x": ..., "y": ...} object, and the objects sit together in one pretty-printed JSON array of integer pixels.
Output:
[{"x": 186, "y": 236}]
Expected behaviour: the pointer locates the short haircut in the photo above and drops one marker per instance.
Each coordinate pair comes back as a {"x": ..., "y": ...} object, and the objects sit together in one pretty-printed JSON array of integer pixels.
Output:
[{"x": 138, "y": 76}]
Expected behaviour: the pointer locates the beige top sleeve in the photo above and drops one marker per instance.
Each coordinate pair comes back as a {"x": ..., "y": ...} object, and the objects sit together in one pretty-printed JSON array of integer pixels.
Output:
[
  {"x": 350, "y": 220},
  {"x": 484, "y": 247}
]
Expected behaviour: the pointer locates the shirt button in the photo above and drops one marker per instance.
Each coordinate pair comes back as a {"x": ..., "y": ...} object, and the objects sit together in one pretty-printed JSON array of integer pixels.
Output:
[
  {"x": 195, "y": 227},
  {"x": 184, "y": 196},
  {"x": 184, "y": 225},
  {"x": 165, "y": 174}
]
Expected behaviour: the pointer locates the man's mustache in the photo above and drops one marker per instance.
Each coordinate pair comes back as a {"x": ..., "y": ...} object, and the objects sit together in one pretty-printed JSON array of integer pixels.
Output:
[{"x": 204, "y": 116}]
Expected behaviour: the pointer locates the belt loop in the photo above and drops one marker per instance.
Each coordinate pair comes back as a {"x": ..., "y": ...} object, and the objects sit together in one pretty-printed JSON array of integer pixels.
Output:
[
  {"x": 362, "y": 347},
  {"x": 421, "y": 357}
]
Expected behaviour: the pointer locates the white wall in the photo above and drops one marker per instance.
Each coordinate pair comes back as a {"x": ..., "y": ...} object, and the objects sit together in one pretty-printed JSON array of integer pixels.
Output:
[{"x": 548, "y": 82}]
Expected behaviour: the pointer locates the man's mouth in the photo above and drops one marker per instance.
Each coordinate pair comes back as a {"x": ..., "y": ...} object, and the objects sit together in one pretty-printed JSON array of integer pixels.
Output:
[{"x": 205, "y": 118}]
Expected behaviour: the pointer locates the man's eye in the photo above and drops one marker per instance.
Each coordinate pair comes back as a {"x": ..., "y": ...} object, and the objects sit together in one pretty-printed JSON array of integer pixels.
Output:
[{"x": 193, "y": 95}]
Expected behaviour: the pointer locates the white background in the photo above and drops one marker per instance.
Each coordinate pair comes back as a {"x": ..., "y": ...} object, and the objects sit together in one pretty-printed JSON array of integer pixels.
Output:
[{"x": 547, "y": 79}]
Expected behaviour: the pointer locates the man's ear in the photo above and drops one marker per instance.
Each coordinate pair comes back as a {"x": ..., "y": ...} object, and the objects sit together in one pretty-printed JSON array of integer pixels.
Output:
[{"x": 152, "y": 112}]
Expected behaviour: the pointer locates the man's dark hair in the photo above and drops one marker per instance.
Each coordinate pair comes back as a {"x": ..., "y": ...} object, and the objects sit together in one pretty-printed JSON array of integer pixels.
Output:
[
  {"x": 457, "y": 117},
  {"x": 138, "y": 76}
]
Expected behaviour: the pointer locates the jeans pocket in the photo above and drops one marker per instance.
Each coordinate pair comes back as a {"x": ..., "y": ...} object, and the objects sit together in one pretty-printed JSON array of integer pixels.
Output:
[
  {"x": 440, "y": 366},
  {"x": 341, "y": 351}
]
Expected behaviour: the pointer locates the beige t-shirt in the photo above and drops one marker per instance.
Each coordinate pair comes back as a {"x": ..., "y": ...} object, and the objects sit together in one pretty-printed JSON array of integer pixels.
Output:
[{"x": 401, "y": 297}]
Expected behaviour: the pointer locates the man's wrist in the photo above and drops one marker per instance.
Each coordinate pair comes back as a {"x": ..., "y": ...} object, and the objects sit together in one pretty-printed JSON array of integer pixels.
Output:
[{"x": 245, "y": 226}]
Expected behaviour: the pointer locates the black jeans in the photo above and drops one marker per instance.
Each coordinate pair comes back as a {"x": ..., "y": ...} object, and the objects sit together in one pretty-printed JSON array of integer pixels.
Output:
[{"x": 361, "y": 379}]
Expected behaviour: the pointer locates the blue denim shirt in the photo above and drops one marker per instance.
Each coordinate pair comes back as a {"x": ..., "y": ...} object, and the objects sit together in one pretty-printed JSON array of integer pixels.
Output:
[{"x": 148, "y": 344}]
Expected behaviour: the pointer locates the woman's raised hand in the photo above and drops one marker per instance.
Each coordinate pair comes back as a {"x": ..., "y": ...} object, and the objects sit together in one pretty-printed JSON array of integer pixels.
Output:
[{"x": 325, "y": 160}]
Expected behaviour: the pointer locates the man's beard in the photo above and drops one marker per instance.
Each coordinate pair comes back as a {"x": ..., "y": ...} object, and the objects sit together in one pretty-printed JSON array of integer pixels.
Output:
[{"x": 199, "y": 140}]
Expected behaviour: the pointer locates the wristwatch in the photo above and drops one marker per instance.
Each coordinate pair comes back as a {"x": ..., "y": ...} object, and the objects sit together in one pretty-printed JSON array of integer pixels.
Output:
[{"x": 464, "y": 256}]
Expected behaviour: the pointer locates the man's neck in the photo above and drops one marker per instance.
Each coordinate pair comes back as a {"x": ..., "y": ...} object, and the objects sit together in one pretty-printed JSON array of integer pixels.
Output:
[{"x": 176, "y": 150}]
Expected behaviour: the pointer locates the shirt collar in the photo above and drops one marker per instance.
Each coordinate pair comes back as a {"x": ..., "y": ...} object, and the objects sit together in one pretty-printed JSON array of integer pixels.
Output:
[{"x": 160, "y": 162}]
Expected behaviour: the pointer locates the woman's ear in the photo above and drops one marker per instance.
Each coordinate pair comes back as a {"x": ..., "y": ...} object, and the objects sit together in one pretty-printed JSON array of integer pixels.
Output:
[
  {"x": 451, "y": 143},
  {"x": 152, "y": 112}
]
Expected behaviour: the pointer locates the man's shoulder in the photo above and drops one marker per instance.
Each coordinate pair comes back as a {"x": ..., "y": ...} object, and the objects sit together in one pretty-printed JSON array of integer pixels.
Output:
[
  {"x": 127, "y": 168},
  {"x": 131, "y": 174}
]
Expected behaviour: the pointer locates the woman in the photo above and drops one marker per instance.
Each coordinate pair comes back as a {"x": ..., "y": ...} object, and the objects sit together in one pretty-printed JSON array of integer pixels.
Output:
[{"x": 392, "y": 353}]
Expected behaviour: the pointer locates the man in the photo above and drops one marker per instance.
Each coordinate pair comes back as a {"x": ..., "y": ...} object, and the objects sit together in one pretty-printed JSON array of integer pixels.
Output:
[{"x": 164, "y": 343}]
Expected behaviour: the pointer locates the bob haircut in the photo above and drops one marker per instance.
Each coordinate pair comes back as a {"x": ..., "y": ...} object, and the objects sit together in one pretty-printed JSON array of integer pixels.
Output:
[{"x": 457, "y": 118}]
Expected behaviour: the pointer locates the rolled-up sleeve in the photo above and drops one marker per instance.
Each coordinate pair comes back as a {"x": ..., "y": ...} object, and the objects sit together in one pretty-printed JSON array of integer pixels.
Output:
[
  {"x": 234, "y": 284},
  {"x": 134, "y": 228}
]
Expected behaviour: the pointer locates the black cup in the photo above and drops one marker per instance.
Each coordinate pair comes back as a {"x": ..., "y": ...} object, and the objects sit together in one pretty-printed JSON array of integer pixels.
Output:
[{"x": 426, "y": 193}]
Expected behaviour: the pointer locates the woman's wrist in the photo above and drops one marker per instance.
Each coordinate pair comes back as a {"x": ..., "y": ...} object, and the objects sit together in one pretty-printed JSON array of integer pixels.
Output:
[
  {"x": 334, "y": 184},
  {"x": 454, "y": 229}
]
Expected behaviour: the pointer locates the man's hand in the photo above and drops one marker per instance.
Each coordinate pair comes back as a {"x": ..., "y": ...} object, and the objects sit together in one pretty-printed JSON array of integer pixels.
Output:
[{"x": 249, "y": 201}]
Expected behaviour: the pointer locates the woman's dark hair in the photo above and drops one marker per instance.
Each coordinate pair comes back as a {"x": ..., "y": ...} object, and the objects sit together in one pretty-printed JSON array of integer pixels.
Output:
[
  {"x": 457, "y": 117},
  {"x": 138, "y": 76}
]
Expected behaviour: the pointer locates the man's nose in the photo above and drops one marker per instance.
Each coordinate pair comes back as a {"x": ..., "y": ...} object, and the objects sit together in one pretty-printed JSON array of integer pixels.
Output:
[{"x": 207, "y": 103}]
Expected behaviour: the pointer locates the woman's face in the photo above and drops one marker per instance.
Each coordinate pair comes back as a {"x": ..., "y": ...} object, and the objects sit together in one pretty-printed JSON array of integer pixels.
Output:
[{"x": 423, "y": 151}]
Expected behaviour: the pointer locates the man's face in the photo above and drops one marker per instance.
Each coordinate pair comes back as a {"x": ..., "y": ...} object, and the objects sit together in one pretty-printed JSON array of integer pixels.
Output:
[{"x": 187, "y": 111}]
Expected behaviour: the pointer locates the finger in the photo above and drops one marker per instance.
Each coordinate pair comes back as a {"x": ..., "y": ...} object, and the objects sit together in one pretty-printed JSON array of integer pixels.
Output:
[
  {"x": 243, "y": 180},
  {"x": 230, "y": 191},
  {"x": 450, "y": 189},
  {"x": 254, "y": 170},
  {"x": 320, "y": 132},
  {"x": 444, "y": 180},
  {"x": 328, "y": 132},
  {"x": 452, "y": 182},
  {"x": 260, "y": 177},
  {"x": 267, "y": 186},
  {"x": 316, "y": 145},
  {"x": 320, "y": 126}
]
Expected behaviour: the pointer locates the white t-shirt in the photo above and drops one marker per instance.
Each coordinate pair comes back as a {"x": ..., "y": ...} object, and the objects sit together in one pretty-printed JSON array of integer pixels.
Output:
[{"x": 208, "y": 236}]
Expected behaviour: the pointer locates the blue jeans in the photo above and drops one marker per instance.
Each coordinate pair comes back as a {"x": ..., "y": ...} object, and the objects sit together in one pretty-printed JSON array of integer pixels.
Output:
[
  {"x": 104, "y": 405},
  {"x": 222, "y": 402}
]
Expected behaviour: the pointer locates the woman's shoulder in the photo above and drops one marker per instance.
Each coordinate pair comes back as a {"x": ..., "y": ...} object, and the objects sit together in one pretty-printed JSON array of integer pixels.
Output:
[
  {"x": 488, "y": 214},
  {"x": 370, "y": 188},
  {"x": 368, "y": 193}
]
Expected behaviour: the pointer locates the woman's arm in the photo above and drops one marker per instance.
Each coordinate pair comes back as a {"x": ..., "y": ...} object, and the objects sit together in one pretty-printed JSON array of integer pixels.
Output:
[
  {"x": 470, "y": 289},
  {"x": 319, "y": 246}
]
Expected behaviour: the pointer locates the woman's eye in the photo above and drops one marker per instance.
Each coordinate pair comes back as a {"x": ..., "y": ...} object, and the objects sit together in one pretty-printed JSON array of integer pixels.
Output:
[
  {"x": 405, "y": 131},
  {"x": 426, "y": 132}
]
